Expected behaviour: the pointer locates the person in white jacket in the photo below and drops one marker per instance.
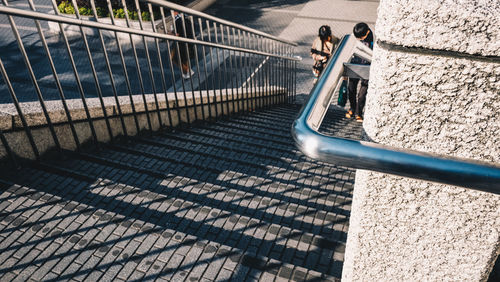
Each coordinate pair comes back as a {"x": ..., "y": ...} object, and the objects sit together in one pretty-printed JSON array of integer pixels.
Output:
[{"x": 322, "y": 49}]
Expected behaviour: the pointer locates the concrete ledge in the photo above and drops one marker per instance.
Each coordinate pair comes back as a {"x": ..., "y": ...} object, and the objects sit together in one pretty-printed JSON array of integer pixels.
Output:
[
  {"x": 471, "y": 27},
  {"x": 11, "y": 124}
]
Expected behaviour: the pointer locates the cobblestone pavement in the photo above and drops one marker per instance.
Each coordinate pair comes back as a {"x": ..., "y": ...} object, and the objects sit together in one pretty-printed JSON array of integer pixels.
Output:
[{"x": 232, "y": 199}]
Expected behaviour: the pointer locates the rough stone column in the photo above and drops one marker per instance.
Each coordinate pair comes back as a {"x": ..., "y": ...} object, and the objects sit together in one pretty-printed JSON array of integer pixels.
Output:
[{"x": 434, "y": 87}]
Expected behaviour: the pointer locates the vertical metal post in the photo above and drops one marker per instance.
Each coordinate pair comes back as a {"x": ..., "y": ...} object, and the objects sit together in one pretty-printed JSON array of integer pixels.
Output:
[
  {"x": 19, "y": 111},
  {"x": 33, "y": 78},
  {"x": 224, "y": 70},
  {"x": 261, "y": 72},
  {"x": 189, "y": 66},
  {"x": 124, "y": 66},
  {"x": 200, "y": 23},
  {"x": 138, "y": 67},
  {"x": 281, "y": 73},
  {"x": 295, "y": 82},
  {"x": 96, "y": 79},
  {"x": 162, "y": 72},
  {"x": 248, "y": 64},
  {"x": 110, "y": 72},
  {"x": 56, "y": 78},
  {"x": 243, "y": 69},
  {"x": 274, "y": 72},
  {"x": 235, "y": 99},
  {"x": 172, "y": 72},
  {"x": 77, "y": 77},
  {"x": 198, "y": 68},
  {"x": 267, "y": 75},
  {"x": 230, "y": 73},
  {"x": 213, "y": 73},
  {"x": 150, "y": 67},
  {"x": 179, "y": 60}
]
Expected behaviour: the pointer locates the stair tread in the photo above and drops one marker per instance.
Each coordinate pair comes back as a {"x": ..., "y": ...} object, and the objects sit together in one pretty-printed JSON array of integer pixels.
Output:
[{"x": 234, "y": 197}]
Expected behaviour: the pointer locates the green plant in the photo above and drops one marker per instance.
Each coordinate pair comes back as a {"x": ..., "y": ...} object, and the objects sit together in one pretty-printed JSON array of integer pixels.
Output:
[
  {"x": 66, "y": 7},
  {"x": 119, "y": 13},
  {"x": 85, "y": 11},
  {"x": 61, "y": 7},
  {"x": 146, "y": 16},
  {"x": 69, "y": 9}
]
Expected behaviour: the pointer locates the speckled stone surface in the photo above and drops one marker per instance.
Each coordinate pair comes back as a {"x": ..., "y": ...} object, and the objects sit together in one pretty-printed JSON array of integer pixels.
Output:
[
  {"x": 435, "y": 104},
  {"x": 465, "y": 26},
  {"x": 411, "y": 230}
]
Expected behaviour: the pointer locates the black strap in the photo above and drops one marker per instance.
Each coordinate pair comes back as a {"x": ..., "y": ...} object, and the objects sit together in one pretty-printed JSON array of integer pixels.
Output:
[{"x": 314, "y": 51}]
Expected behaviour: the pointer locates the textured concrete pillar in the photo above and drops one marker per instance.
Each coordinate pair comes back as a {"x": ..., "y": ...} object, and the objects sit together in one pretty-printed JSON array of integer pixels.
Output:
[{"x": 434, "y": 87}]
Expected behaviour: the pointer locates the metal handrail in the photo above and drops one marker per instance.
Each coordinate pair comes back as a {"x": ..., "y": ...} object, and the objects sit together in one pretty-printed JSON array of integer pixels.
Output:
[
  {"x": 91, "y": 24},
  {"x": 212, "y": 18},
  {"x": 477, "y": 175},
  {"x": 267, "y": 64}
]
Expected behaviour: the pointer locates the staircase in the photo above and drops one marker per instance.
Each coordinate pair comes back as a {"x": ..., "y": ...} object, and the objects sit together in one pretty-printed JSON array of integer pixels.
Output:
[{"x": 231, "y": 199}]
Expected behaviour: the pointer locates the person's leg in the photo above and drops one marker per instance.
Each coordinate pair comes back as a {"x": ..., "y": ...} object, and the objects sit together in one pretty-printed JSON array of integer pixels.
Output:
[
  {"x": 351, "y": 93},
  {"x": 362, "y": 98}
]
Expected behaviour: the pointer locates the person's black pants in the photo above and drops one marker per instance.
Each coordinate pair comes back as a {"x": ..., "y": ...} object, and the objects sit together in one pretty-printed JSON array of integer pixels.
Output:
[{"x": 357, "y": 102}]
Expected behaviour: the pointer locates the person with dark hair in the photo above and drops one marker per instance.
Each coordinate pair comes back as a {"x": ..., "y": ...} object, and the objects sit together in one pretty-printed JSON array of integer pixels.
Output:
[
  {"x": 185, "y": 50},
  {"x": 322, "y": 48},
  {"x": 357, "y": 101}
]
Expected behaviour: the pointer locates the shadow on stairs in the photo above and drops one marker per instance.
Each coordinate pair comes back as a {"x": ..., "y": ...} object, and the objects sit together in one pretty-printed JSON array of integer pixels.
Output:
[{"x": 233, "y": 199}]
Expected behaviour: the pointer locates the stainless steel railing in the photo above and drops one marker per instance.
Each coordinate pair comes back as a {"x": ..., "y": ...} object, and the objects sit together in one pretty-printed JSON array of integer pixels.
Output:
[
  {"x": 370, "y": 156},
  {"x": 236, "y": 68}
]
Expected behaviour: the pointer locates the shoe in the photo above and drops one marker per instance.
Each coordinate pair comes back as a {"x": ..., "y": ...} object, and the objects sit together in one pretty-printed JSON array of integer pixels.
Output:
[
  {"x": 359, "y": 119},
  {"x": 188, "y": 75},
  {"x": 348, "y": 114}
]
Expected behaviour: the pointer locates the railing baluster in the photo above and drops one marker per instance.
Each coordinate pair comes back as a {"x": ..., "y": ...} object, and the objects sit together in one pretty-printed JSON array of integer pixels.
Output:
[
  {"x": 124, "y": 66},
  {"x": 138, "y": 67},
  {"x": 238, "y": 99},
  {"x": 172, "y": 71},
  {"x": 160, "y": 61},
  {"x": 110, "y": 72},
  {"x": 77, "y": 78},
  {"x": 213, "y": 73},
  {"x": 186, "y": 45},
  {"x": 243, "y": 72},
  {"x": 179, "y": 60},
  {"x": 224, "y": 70},
  {"x": 230, "y": 73},
  {"x": 27, "y": 129},
  {"x": 94, "y": 73},
  {"x": 150, "y": 66},
  {"x": 33, "y": 78},
  {"x": 200, "y": 23},
  {"x": 56, "y": 78},
  {"x": 198, "y": 70},
  {"x": 260, "y": 67},
  {"x": 255, "y": 74},
  {"x": 295, "y": 82}
]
